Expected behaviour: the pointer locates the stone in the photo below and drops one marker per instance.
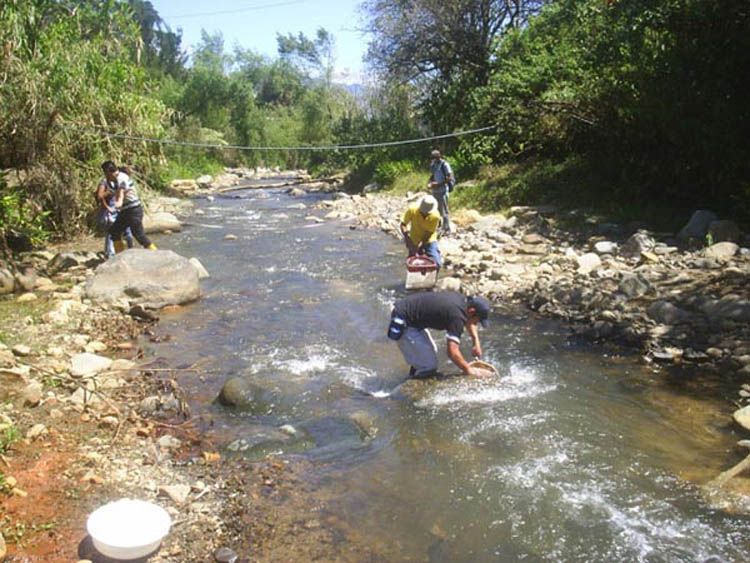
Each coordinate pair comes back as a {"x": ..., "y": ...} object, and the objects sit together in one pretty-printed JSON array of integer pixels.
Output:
[
  {"x": 150, "y": 278},
  {"x": 634, "y": 285},
  {"x": 7, "y": 282},
  {"x": 225, "y": 555},
  {"x": 533, "y": 238},
  {"x": 240, "y": 392},
  {"x": 723, "y": 230},
  {"x": 667, "y": 313},
  {"x": 742, "y": 417},
  {"x": 121, "y": 364},
  {"x": 26, "y": 279},
  {"x": 168, "y": 442},
  {"x": 588, "y": 263},
  {"x": 61, "y": 311},
  {"x": 184, "y": 185},
  {"x": 697, "y": 226},
  {"x": 7, "y": 358},
  {"x": 45, "y": 285},
  {"x": 161, "y": 222},
  {"x": 27, "y": 297},
  {"x": 721, "y": 250},
  {"x": 204, "y": 181},
  {"x": 95, "y": 346},
  {"x": 639, "y": 242},
  {"x": 464, "y": 217},
  {"x": 88, "y": 364},
  {"x": 296, "y": 192},
  {"x": 67, "y": 260},
  {"x": 31, "y": 395},
  {"x": 83, "y": 397},
  {"x": 605, "y": 247},
  {"x": 230, "y": 236},
  {"x": 36, "y": 431},
  {"x": 448, "y": 284},
  {"x": 109, "y": 421},
  {"x": 178, "y": 493},
  {"x": 730, "y": 307},
  {"x": 202, "y": 272},
  {"x": 21, "y": 350}
]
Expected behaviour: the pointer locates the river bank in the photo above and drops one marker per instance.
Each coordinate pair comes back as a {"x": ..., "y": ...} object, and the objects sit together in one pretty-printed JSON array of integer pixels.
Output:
[{"x": 150, "y": 447}]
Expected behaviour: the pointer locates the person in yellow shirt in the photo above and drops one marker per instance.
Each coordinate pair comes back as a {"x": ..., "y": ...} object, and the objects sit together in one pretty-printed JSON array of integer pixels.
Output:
[{"x": 419, "y": 226}]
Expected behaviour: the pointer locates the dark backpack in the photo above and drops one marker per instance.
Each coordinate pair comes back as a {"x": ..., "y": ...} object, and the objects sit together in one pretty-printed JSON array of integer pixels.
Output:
[{"x": 450, "y": 184}]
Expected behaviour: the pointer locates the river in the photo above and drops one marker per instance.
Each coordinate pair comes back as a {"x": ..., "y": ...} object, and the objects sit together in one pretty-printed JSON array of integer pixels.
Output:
[{"x": 574, "y": 453}]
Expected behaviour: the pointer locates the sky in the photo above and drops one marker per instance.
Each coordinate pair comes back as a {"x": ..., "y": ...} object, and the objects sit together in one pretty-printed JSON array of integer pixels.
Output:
[{"x": 253, "y": 24}]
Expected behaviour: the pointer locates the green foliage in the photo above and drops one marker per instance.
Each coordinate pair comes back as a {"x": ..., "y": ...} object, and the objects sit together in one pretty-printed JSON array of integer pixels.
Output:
[
  {"x": 20, "y": 217},
  {"x": 388, "y": 172},
  {"x": 8, "y": 435},
  {"x": 67, "y": 75},
  {"x": 653, "y": 89}
]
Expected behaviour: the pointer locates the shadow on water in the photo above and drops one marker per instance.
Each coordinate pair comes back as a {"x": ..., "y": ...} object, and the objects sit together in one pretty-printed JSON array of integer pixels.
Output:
[{"x": 573, "y": 453}]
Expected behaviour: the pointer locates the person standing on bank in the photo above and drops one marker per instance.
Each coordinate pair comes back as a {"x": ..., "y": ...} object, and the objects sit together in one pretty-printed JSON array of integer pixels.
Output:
[
  {"x": 419, "y": 226},
  {"x": 441, "y": 183},
  {"x": 129, "y": 207},
  {"x": 439, "y": 310},
  {"x": 107, "y": 214}
]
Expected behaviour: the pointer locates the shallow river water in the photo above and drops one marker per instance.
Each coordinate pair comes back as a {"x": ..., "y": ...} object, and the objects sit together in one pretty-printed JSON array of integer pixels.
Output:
[{"x": 569, "y": 455}]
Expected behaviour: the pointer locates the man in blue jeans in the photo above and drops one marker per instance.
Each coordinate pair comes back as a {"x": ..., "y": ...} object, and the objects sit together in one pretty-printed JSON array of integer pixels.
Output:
[
  {"x": 419, "y": 225},
  {"x": 438, "y": 310},
  {"x": 441, "y": 183}
]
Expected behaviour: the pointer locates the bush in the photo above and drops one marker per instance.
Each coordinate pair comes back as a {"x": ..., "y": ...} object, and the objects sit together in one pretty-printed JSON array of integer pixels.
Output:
[{"x": 388, "y": 172}]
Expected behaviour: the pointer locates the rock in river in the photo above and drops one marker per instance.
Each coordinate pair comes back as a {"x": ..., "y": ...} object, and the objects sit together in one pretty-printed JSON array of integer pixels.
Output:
[{"x": 152, "y": 278}]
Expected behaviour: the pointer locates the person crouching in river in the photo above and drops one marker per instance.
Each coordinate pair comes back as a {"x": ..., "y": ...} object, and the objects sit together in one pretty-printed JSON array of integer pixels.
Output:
[
  {"x": 438, "y": 310},
  {"x": 128, "y": 205},
  {"x": 419, "y": 226}
]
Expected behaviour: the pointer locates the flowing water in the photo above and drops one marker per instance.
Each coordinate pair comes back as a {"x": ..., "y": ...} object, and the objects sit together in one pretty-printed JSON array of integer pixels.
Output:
[{"x": 569, "y": 455}]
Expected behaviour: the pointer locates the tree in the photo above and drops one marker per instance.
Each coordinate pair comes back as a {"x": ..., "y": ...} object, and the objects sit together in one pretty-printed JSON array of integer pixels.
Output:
[
  {"x": 310, "y": 55},
  {"x": 440, "y": 40}
]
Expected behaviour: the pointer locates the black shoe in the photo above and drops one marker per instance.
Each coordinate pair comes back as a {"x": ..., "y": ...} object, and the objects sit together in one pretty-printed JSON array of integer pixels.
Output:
[{"x": 412, "y": 371}]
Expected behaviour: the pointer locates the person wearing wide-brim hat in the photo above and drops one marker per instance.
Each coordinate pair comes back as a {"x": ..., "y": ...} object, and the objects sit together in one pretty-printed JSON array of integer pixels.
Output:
[
  {"x": 419, "y": 225},
  {"x": 438, "y": 310}
]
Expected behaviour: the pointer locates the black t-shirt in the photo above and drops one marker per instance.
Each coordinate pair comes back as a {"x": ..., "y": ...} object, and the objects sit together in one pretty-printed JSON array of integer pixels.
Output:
[{"x": 440, "y": 310}]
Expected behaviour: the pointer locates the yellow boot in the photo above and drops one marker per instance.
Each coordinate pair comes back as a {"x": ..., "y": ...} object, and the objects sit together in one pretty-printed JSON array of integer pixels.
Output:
[
  {"x": 119, "y": 246},
  {"x": 151, "y": 246}
]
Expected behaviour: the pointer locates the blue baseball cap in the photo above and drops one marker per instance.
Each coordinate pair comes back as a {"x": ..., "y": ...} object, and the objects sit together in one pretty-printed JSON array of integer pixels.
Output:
[{"x": 482, "y": 308}]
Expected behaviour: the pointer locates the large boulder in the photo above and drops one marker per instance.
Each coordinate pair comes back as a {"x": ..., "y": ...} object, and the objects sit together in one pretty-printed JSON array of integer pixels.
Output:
[
  {"x": 152, "y": 278},
  {"x": 241, "y": 393},
  {"x": 697, "y": 226},
  {"x": 161, "y": 222},
  {"x": 721, "y": 231},
  {"x": 721, "y": 250}
]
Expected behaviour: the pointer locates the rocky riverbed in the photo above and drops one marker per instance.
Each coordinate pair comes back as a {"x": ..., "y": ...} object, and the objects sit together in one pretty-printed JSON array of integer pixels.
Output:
[
  {"x": 668, "y": 296},
  {"x": 87, "y": 417}
]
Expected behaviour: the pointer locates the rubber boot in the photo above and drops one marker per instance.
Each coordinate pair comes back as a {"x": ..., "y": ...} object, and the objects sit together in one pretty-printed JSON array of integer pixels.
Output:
[
  {"x": 119, "y": 246},
  {"x": 151, "y": 246}
]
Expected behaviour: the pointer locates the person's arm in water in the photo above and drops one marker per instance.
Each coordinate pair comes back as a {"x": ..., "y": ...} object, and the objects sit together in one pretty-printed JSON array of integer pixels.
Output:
[
  {"x": 476, "y": 347},
  {"x": 454, "y": 353}
]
